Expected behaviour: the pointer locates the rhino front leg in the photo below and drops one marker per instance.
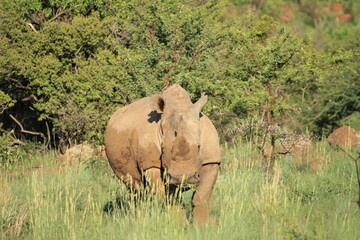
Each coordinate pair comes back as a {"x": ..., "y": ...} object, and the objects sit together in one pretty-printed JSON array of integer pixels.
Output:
[
  {"x": 201, "y": 199},
  {"x": 154, "y": 178}
]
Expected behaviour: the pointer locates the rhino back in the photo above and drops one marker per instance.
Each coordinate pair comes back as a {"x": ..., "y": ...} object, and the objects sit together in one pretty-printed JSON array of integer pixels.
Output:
[{"x": 131, "y": 139}]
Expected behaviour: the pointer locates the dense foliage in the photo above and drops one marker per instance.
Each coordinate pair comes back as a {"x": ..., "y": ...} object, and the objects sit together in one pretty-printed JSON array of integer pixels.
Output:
[{"x": 65, "y": 66}]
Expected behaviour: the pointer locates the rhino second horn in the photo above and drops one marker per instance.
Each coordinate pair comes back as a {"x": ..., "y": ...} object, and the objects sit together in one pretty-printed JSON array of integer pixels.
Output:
[{"x": 200, "y": 103}]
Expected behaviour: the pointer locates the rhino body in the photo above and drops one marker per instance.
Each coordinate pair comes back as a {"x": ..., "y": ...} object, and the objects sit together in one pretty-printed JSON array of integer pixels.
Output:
[{"x": 165, "y": 139}]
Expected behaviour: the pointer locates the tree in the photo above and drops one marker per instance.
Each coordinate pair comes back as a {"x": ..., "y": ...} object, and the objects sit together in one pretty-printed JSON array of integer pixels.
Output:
[
  {"x": 70, "y": 64},
  {"x": 338, "y": 96},
  {"x": 60, "y": 59}
]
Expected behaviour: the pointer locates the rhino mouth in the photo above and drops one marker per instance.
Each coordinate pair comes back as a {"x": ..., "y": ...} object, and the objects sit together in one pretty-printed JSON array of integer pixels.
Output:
[{"x": 194, "y": 179}]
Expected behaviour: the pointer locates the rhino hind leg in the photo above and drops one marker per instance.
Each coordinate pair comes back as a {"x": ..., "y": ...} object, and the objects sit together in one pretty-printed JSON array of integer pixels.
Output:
[{"x": 201, "y": 198}]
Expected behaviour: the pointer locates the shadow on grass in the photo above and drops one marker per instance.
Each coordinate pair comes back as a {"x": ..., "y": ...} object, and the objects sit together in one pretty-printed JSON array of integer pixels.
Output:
[
  {"x": 120, "y": 204},
  {"x": 127, "y": 203}
]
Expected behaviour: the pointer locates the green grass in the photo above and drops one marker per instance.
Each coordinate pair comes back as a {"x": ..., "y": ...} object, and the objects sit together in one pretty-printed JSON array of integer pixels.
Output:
[{"x": 41, "y": 200}]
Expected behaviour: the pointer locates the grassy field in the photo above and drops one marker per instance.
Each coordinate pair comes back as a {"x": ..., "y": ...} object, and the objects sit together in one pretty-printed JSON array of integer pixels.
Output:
[{"x": 39, "y": 199}]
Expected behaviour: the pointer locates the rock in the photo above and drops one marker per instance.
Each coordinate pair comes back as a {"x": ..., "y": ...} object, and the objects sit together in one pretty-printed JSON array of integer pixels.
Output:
[
  {"x": 77, "y": 153},
  {"x": 345, "y": 137}
]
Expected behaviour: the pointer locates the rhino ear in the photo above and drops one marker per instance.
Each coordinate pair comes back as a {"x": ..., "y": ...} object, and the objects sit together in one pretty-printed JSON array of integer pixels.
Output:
[
  {"x": 158, "y": 103},
  {"x": 200, "y": 103}
]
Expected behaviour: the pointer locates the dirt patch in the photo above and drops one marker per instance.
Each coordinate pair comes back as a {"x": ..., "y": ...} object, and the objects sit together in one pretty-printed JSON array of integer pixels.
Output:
[
  {"x": 287, "y": 13},
  {"x": 305, "y": 154},
  {"x": 341, "y": 12},
  {"x": 345, "y": 137},
  {"x": 299, "y": 148},
  {"x": 99, "y": 151},
  {"x": 317, "y": 164},
  {"x": 302, "y": 151}
]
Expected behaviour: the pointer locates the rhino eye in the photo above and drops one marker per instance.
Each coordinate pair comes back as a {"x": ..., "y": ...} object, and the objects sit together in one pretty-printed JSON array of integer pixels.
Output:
[
  {"x": 198, "y": 147},
  {"x": 175, "y": 133}
]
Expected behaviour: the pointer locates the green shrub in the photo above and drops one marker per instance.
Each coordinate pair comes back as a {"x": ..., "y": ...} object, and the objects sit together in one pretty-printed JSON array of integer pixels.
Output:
[{"x": 67, "y": 66}]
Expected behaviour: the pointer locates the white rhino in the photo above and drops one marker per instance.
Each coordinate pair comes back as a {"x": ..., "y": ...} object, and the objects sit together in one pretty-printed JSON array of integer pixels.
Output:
[{"x": 165, "y": 139}]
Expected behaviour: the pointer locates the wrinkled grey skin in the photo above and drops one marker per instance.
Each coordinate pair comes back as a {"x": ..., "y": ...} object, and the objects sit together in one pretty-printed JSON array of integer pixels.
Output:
[{"x": 165, "y": 134}]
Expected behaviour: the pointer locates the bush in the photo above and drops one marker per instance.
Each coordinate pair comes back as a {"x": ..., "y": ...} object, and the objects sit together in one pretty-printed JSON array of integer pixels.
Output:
[{"x": 68, "y": 66}]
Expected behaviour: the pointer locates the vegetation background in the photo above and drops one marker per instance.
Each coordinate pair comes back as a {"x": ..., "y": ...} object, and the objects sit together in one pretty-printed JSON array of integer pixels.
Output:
[{"x": 67, "y": 65}]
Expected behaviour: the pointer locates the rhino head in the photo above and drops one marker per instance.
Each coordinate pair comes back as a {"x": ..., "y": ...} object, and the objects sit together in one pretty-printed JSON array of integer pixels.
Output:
[{"x": 180, "y": 134}]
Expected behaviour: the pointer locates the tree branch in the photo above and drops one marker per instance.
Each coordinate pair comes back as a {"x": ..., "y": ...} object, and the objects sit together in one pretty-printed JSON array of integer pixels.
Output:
[
  {"x": 22, "y": 130},
  {"x": 193, "y": 57},
  {"x": 4, "y": 107},
  {"x": 32, "y": 27},
  {"x": 58, "y": 14},
  {"x": 19, "y": 84},
  {"x": 48, "y": 134},
  {"x": 16, "y": 141},
  {"x": 29, "y": 98}
]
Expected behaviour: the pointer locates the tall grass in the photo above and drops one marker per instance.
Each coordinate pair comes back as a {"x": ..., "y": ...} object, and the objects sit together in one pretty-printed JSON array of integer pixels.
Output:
[{"x": 41, "y": 200}]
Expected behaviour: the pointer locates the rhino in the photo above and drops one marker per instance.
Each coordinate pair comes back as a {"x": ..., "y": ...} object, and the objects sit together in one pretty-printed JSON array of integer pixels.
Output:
[{"x": 166, "y": 140}]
